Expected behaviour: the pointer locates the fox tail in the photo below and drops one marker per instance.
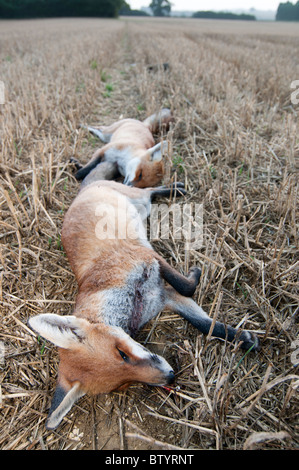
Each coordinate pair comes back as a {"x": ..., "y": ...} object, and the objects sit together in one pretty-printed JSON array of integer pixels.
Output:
[{"x": 159, "y": 121}]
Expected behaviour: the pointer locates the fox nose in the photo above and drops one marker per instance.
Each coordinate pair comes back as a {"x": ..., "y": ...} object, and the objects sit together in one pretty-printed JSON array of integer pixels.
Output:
[{"x": 170, "y": 377}]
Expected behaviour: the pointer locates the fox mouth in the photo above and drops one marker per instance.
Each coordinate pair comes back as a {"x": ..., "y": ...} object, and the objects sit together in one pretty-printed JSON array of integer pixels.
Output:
[
  {"x": 162, "y": 384},
  {"x": 168, "y": 380}
]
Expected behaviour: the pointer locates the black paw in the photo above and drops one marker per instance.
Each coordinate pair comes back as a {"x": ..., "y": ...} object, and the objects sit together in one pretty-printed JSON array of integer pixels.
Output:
[
  {"x": 176, "y": 189},
  {"x": 178, "y": 184},
  {"x": 194, "y": 273},
  {"x": 76, "y": 163},
  {"x": 179, "y": 189},
  {"x": 249, "y": 341}
]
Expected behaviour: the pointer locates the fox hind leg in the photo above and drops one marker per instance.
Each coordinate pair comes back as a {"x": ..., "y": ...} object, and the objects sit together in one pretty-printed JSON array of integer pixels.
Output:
[
  {"x": 100, "y": 133},
  {"x": 184, "y": 285},
  {"x": 104, "y": 133}
]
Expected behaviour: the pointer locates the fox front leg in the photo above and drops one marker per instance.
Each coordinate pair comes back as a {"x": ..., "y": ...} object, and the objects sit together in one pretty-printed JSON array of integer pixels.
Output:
[
  {"x": 194, "y": 314},
  {"x": 184, "y": 285},
  {"x": 176, "y": 189}
]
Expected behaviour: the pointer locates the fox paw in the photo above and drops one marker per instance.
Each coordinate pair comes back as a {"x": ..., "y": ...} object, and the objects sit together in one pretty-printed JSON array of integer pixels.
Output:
[
  {"x": 249, "y": 341},
  {"x": 194, "y": 273}
]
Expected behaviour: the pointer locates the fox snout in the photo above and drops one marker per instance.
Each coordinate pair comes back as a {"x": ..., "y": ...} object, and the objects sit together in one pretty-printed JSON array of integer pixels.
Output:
[
  {"x": 142, "y": 366},
  {"x": 170, "y": 377},
  {"x": 163, "y": 371}
]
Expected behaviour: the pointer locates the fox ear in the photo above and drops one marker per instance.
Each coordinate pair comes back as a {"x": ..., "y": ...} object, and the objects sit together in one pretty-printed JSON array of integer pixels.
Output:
[
  {"x": 157, "y": 151},
  {"x": 62, "y": 402},
  {"x": 63, "y": 331}
]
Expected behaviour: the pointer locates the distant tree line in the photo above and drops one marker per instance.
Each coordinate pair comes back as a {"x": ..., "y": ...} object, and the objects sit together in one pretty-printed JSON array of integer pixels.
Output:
[
  {"x": 214, "y": 15},
  {"x": 288, "y": 12},
  {"x": 127, "y": 11},
  {"x": 10, "y": 9}
]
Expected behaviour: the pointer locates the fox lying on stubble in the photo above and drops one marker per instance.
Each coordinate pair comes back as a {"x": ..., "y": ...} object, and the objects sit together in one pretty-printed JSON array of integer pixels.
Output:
[
  {"x": 122, "y": 284},
  {"x": 130, "y": 150}
]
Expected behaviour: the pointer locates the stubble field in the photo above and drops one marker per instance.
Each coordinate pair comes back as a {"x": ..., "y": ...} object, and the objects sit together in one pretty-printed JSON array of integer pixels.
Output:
[{"x": 235, "y": 144}]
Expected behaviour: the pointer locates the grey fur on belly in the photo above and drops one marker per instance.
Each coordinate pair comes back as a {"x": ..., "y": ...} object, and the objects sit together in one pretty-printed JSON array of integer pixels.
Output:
[{"x": 138, "y": 301}]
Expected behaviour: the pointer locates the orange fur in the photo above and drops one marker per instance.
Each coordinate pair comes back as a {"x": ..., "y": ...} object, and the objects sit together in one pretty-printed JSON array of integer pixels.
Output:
[{"x": 90, "y": 257}]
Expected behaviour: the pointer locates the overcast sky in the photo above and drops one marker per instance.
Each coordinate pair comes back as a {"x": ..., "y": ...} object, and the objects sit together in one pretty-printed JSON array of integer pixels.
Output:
[{"x": 195, "y": 5}]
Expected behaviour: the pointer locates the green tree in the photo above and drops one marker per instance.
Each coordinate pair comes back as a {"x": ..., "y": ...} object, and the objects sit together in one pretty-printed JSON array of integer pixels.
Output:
[
  {"x": 223, "y": 15},
  {"x": 58, "y": 8},
  {"x": 288, "y": 12},
  {"x": 160, "y": 7}
]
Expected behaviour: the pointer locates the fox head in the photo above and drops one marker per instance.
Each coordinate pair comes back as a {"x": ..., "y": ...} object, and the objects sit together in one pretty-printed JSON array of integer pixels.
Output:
[
  {"x": 147, "y": 174},
  {"x": 95, "y": 358},
  {"x": 148, "y": 170}
]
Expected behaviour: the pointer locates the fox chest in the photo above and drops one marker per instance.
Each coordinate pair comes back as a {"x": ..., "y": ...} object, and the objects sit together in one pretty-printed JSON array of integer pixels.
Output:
[
  {"x": 120, "y": 157},
  {"x": 137, "y": 302}
]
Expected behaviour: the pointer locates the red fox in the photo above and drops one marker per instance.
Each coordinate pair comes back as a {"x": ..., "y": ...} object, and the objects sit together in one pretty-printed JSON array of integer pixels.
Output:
[
  {"x": 122, "y": 284},
  {"x": 131, "y": 148}
]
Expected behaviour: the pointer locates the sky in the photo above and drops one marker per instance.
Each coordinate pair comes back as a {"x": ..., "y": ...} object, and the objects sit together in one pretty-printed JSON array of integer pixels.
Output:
[{"x": 218, "y": 5}]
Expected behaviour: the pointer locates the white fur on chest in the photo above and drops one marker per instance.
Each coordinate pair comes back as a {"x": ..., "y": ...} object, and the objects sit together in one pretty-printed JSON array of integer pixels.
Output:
[
  {"x": 137, "y": 302},
  {"x": 121, "y": 157},
  {"x": 126, "y": 160}
]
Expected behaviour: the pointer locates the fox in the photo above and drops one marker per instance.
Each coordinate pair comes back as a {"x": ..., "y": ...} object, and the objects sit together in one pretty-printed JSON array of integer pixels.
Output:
[
  {"x": 131, "y": 150},
  {"x": 123, "y": 283}
]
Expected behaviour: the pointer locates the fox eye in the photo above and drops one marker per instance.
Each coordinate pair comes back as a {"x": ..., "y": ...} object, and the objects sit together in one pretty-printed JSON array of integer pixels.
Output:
[
  {"x": 124, "y": 356},
  {"x": 140, "y": 176}
]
